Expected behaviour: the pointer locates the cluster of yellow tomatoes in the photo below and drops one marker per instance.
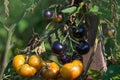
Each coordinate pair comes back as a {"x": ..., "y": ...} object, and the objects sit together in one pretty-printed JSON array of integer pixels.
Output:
[{"x": 28, "y": 66}]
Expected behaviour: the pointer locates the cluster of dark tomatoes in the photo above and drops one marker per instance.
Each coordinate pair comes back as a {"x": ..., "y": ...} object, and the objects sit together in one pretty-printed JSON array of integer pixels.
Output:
[{"x": 72, "y": 65}]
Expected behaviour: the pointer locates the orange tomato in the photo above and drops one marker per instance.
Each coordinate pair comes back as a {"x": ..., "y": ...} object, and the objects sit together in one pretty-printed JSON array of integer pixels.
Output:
[
  {"x": 71, "y": 71},
  {"x": 79, "y": 63},
  {"x": 26, "y": 70},
  {"x": 35, "y": 61},
  {"x": 18, "y": 61},
  {"x": 28, "y": 67},
  {"x": 50, "y": 71}
]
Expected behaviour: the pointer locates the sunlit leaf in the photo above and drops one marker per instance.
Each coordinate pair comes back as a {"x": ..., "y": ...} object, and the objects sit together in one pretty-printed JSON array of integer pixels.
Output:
[
  {"x": 94, "y": 9},
  {"x": 69, "y": 10}
]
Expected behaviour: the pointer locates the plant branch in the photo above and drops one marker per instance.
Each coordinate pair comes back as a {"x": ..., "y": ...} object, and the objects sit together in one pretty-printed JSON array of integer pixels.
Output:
[
  {"x": 51, "y": 32},
  {"x": 7, "y": 48},
  {"x": 9, "y": 35},
  {"x": 44, "y": 36},
  {"x": 66, "y": 36},
  {"x": 6, "y": 3}
]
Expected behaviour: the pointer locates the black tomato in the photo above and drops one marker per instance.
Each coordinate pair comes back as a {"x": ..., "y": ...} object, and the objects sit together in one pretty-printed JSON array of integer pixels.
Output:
[
  {"x": 65, "y": 58},
  {"x": 76, "y": 56},
  {"x": 48, "y": 14},
  {"x": 83, "y": 47},
  {"x": 78, "y": 32},
  {"x": 58, "y": 47}
]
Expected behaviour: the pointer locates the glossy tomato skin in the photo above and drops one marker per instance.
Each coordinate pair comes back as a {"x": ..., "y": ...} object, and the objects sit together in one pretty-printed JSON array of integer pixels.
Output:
[
  {"x": 48, "y": 14},
  {"x": 71, "y": 71},
  {"x": 58, "y": 47},
  {"x": 79, "y": 63},
  {"x": 83, "y": 47},
  {"x": 18, "y": 61},
  {"x": 78, "y": 32},
  {"x": 26, "y": 70},
  {"x": 50, "y": 71},
  {"x": 35, "y": 61},
  {"x": 58, "y": 18}
]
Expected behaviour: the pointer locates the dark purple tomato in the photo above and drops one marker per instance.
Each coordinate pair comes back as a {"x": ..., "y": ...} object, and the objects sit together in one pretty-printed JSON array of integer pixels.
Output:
[
  {"x": 78, "y": 32},
  {"x": 58, "y": 47},
  {"x": 48, "y": 14},
  {"x": 83, "y": 47},
  {"x": 65, "y": 58},
  {"x": 76, "y": 56}
]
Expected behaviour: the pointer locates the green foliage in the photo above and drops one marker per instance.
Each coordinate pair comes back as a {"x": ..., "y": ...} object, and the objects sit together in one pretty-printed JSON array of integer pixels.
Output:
[
  {"x": 34, "y": 20},
  {"x": 112, "y": 72},
  {"x": 95, "y": 74},
  {"x": 69, "y": 10},
  {"x": 94, "y": 9},
  {"x": 22, "y": 25},
  {"x": 110, "y": 46}
]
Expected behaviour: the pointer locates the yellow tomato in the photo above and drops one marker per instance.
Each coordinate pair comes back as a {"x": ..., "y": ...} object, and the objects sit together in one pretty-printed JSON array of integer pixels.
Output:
[
  {"x": 18, "y": 61},
  {"x": 35, "y": 61},
  {"x": 26, "y": 70}
]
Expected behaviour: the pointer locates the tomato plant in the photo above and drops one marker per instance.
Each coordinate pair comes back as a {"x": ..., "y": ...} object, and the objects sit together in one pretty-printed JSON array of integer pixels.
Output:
[{"x": 64, "y": 32}]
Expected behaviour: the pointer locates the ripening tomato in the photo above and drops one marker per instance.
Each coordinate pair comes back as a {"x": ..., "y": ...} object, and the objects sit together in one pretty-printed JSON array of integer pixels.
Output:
[
  {"x": 35, "y": 61},
  {"x": 26, "y": 70},
  {"x": 50, "y": 70},
  {"x": 71, "y": 71},
  {"x": 27, "y": 67},
  {"x": 58, "y": 18},
  {"x": 18, "y": 61}
]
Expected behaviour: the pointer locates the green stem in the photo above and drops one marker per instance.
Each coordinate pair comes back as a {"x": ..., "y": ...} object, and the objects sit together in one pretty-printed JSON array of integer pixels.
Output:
[{"x": 7, "y": 48}]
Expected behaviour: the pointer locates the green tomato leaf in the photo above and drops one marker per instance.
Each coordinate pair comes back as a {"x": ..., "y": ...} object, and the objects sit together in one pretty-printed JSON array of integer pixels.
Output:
[
  {"x": 95, "y": 74},
  {"x": 69, "y": 10},
  {"x": 94, "y": 9},
  {"x": 111, "y": 72}
]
